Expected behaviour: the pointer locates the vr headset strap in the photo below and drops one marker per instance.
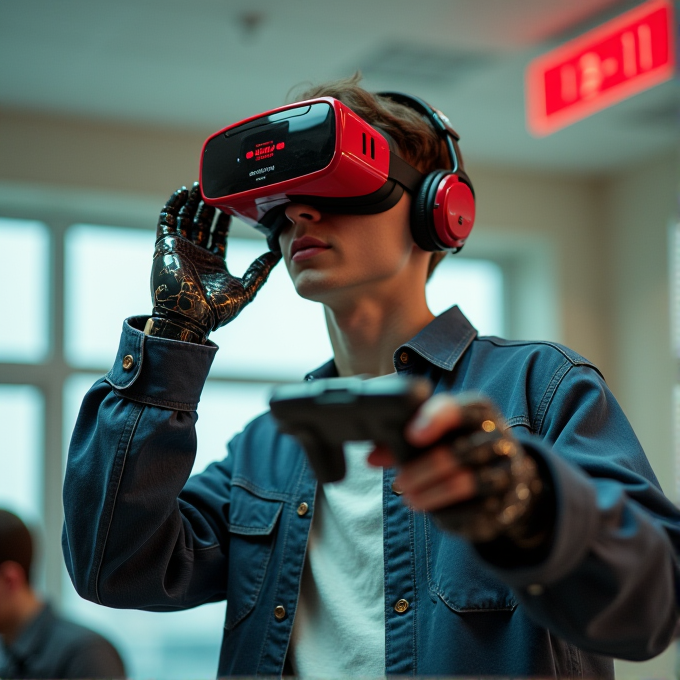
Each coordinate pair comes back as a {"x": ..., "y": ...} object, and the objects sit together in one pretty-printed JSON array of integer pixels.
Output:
[{"x": 404, "y": 173}]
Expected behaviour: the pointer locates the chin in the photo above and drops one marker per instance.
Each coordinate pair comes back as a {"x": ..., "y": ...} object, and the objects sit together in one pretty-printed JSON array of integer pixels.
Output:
[{"x": 314, "y": 285}]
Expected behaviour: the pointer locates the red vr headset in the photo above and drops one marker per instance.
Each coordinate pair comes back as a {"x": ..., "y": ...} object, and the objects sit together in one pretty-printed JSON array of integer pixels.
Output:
[{"x": 320, "y": 153}]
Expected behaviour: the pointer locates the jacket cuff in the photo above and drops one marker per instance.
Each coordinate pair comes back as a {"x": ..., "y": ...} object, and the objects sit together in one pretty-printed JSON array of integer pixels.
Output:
[
  {"x": 159, "y": 371},
  {"x": 576, "y": 523}
]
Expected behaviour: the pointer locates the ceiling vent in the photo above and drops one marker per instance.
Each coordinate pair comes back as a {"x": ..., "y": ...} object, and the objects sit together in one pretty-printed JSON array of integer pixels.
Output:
[{"x": 422, "y": 63}]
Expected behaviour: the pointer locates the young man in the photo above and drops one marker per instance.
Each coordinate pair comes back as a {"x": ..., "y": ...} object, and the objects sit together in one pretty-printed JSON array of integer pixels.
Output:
[
  {"x": 459, "y": 563},
  {"x": 35, "y": 642}
]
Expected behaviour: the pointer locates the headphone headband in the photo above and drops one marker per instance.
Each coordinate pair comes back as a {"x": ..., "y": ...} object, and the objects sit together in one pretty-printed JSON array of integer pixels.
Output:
[
  {"x": 443, "y": 209},
  {"x": 439, "y": 122}
]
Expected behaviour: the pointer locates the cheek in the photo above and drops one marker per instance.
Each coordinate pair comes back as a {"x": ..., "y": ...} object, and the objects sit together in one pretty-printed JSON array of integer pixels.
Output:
[
  {"x": 376, "y": 249},
  {"x": 389, "y": 246},
  {"x": 382, "y": 254}
]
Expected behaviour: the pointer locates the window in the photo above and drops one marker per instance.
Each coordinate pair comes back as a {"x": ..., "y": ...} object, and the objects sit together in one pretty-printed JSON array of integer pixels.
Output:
[
  {"x": 106, "y": 278},
  {"x": 24, "y": 245},
  {"x": 56, "y": 268},
  {"x": 21, "y": 412},
  {"x": 476, "y": 286}
]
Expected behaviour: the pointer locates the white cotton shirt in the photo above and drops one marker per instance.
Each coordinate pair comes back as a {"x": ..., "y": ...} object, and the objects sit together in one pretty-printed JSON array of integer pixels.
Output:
[{"x": 339, "y": 626}]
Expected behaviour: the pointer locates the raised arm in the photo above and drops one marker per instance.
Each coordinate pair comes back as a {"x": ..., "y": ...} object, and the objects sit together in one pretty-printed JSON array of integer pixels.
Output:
[{"x": 132, "y": 537}]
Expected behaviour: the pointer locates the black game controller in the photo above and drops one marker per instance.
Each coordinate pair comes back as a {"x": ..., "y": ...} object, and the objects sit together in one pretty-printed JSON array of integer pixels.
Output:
[{"x": 323, "y": 414}]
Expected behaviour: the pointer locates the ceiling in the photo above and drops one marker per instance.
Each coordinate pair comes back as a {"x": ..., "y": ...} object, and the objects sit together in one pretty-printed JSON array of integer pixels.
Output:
[{"x": 203, "y": 64}]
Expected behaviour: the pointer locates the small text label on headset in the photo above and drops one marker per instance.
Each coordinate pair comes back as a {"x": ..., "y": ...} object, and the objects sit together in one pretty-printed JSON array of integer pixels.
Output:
[{"x": 259, "y": 171}]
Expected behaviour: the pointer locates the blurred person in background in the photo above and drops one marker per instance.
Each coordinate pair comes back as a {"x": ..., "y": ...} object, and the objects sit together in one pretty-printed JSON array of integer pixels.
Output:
[
  {"x": 457, "y": 563},
  {"x": 35, "y": 642}
]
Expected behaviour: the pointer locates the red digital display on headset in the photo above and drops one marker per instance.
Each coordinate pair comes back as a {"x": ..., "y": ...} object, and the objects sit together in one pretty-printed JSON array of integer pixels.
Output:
[{"x": 317, "y": 152}]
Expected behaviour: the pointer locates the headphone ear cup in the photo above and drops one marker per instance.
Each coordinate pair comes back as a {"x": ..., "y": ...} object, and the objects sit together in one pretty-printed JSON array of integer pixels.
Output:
[{"x": 422, "y": 207}]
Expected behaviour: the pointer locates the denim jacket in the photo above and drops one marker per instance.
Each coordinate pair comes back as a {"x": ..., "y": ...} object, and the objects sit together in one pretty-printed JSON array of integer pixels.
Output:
[{"x": 138, "y": 534}]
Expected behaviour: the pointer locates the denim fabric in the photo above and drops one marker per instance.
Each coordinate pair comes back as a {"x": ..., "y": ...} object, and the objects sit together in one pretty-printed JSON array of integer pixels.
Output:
[{"x": 138, "y": 534}]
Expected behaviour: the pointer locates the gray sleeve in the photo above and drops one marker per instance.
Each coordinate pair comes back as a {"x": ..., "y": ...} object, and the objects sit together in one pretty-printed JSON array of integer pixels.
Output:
[{"x": 92, "y": 657}]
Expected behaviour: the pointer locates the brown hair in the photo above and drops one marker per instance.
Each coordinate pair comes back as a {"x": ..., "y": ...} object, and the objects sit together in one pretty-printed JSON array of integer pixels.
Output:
[
  {"x": 16, "y": 544},
  {"x": 418, "y": 142}
]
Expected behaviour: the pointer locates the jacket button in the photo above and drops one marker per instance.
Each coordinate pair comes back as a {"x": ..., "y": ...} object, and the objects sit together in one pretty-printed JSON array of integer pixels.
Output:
[
  {"x": 401, "y": 606},
  {"x": 396, "y": 489},
  {"x": 302, "y": 509},
  {"x": 403, "y": 357},
  {"x": 128, "y": 362},
  {"x": 279, "y": 613}
]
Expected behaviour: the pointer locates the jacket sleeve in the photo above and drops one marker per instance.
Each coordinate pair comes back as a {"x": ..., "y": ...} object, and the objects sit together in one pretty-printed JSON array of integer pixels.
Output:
[
  {"x": 609, "y": 581},
  {"x": 134, "y": 536}
]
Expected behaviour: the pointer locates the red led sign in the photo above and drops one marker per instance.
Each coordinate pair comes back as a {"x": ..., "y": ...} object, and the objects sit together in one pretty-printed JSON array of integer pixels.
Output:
[{"x": 606, "y": 65}]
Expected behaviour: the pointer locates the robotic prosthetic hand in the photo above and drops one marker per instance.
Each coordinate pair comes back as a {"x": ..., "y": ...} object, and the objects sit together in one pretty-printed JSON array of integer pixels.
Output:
[
  {"x": 510, "y": 490},
  {"x": 192, "y": 291}
]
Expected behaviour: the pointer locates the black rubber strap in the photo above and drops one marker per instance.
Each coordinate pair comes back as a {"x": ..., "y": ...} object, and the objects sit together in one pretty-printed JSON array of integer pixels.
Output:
[
  {"x": 405, "y": 173},
  {"x": 165, "y": 328}
]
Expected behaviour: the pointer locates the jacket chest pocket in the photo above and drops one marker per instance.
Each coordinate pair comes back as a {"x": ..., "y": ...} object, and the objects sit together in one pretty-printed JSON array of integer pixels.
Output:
[
  {"x": 252, "y": 530},
  {"x": 458, "y": 577}
]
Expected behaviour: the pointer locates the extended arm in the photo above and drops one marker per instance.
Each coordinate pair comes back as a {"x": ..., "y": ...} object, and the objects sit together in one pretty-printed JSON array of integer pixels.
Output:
[
  {"x": 609, "y": 581},
  {"x": 597, "y": 564}
]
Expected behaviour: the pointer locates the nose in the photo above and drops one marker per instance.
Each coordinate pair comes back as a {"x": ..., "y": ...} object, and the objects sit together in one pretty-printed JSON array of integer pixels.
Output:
[{"x": 299, "y": 212}]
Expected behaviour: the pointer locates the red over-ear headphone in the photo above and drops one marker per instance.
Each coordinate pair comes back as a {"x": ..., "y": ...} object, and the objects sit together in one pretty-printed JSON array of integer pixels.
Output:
[{"x": 443, "y": 208}]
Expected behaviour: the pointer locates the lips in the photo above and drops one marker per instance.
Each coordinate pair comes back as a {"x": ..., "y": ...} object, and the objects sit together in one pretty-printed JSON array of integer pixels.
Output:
[{"x": 305, "y": 247}]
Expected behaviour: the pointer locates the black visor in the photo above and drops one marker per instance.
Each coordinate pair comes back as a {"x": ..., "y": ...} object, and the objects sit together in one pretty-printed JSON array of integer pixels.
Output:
[{"x": 268, "y": 150}]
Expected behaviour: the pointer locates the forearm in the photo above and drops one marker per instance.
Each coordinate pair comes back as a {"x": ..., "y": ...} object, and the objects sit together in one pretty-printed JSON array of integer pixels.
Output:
[
  {"x": 608, "y": 578},
  {"x": 126, "y": 540},
  {"x": 608, "y": 584}
]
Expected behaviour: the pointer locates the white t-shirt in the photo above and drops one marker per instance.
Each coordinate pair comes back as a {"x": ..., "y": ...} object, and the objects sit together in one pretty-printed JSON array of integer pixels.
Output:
[{"x": 339, "y": 626}]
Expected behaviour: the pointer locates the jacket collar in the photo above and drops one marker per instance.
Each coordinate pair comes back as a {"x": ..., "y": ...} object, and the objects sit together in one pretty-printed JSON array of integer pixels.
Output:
[
  {"x": 442, "y": 343},
  {"x": 32, "y": 638}
]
